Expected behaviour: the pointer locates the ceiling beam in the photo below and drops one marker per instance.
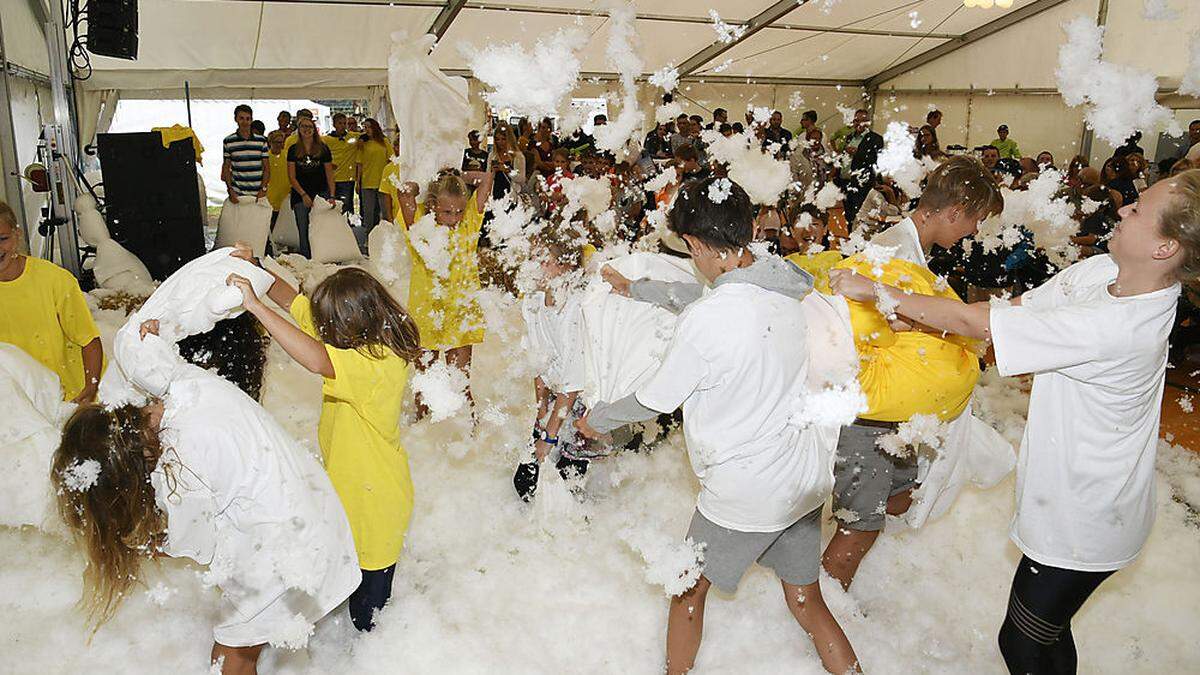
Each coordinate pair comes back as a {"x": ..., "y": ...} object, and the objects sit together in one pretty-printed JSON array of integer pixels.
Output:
[
  {"x": 760, "y": 21},
  {"x": 441, "y": 22},
  {"x": 1005, "y": 20},
  {"x": 847, "y": 30}
]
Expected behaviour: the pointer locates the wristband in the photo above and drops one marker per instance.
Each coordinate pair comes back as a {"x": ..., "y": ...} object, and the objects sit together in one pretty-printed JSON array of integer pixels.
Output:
[{"x": 551, "y": 440}]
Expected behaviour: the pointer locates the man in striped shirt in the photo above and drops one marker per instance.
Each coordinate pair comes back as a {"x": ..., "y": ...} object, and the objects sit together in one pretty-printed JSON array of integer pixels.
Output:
[{"x": 247, "y": 168}]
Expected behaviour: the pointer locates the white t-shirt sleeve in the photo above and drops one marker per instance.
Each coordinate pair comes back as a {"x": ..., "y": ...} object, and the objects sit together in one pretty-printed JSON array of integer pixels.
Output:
[
  {"x": 682, "y": 372},
  {"x": 1097, "y": 270},
  {"x": 1032, "y": 340}
]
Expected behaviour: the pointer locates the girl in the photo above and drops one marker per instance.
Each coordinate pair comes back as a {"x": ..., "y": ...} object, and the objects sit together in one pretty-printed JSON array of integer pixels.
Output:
[
  {"x": 552, "y": 318},
  {"x": 279, "y": 184},
  {"x": 310, "y": 171},
  {"x": 203, "y": 472},
  {"x": 360, "y": 341},
  {"x": 444, "y": 306},
  {"x": 1095, "y": 338},
  {"x": 373, "y": 154}
]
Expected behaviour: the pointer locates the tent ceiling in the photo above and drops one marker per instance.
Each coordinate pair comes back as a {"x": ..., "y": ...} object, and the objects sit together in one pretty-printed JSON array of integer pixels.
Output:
[{"x": 847, "y": 42}]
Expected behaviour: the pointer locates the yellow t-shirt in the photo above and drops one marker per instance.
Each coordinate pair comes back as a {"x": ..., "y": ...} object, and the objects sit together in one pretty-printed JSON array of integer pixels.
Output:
[
  {"x": 44, "y": 313},
  {"x": 279, "y": 186},
  {"x": 345, "y": 155},
  {"x": 446, "y": 310},
  {"x": 359, "y": 435},
  {"x": 373, "y": 157},
  {"x": 178, "y": 132},
  {"x": 389, "y": 188},
  {"x": 817, "y": 264},
  {"x": 910, "y": 372}
]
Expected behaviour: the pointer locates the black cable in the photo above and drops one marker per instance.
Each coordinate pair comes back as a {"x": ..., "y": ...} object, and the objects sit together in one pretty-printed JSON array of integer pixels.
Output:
[{"x": 77, "y": 54}]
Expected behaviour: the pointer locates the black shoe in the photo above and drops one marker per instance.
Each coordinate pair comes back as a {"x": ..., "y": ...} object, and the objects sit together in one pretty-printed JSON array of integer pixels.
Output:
[{"x": 525, "y": 480}]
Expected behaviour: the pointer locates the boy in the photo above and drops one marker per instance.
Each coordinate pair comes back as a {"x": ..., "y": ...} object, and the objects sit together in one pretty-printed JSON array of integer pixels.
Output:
[
  {"x": 737, "y": 366},
  {"x": 869, "y": 481},
  {"x": 247, "y": 166}
]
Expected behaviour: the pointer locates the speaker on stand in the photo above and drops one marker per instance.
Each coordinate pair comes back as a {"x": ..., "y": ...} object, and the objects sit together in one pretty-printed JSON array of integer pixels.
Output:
[{"x": 112, "y": 27}]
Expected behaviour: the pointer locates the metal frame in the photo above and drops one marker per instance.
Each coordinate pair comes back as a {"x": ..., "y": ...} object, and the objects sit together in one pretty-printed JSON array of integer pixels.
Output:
[
  {"x": 765, "y": 18},
  {"x": 441, "y": 22},
  {"x": 1005, "y": 20},
  {"x": 11, "y": 164}
]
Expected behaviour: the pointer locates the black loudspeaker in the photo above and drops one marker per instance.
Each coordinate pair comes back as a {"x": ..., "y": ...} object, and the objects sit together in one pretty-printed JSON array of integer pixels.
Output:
[
  {"x": 152, "y": 200},
  {"x": 112, "y": 28}
]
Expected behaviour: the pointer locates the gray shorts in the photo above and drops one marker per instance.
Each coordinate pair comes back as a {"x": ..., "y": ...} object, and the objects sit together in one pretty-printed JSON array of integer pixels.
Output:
[
  {"x": 864, "y": 476},
  {"x": 794, "y": 553}
]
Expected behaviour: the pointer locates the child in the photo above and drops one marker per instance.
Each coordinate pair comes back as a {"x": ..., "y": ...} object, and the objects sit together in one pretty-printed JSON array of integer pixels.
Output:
[
  {"x": 278, "y": 185},
  {"x": 809, "y": 236},
  {"x": 203, "y": 473},
  {"x": 552, "y": 317},
  {"x": 444, "y": 306},
  {"x": 736, "y": 365},
  {"x": 1095, "y": 338},
  {"x": 360, "y": 341},
  {"x": 870, "y": 482}
]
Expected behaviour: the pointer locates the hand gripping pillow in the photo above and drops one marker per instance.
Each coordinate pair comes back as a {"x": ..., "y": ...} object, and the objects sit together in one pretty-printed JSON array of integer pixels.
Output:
[
  {"x": 624, "y": 339},
  {"x": 248, "y": 220},
  {"x": 190, "y": 301},
  {"x": 330, "y": 236}
]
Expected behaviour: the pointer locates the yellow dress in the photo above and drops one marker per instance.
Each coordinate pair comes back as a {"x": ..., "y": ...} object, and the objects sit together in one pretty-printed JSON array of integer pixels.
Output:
[
  {"x": 388, "y": 187},
  {"x": 373, "y": 157},
  {"x": 359, "y": 435},
  {"x": 910, "y": 372},
  {"x": 817, "y": 264},
  {"x": 43, "y": 312},
  {"x": 446, "y": 309},
  {"x": 278, "y": 188}
]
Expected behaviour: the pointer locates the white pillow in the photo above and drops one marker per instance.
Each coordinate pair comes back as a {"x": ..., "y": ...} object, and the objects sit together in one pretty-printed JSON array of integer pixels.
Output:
[
  {"x": 387, "y": 248},
  {"x": 286, "y": 234},
  {"x": 329, "y": 235},
  {"x": 248, "y": 220}
]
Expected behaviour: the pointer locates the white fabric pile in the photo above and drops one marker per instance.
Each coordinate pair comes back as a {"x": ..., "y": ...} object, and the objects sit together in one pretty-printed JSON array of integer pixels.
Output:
[
  {"x": 431, "y": 109},
  {"x": 114, "y": 267}
]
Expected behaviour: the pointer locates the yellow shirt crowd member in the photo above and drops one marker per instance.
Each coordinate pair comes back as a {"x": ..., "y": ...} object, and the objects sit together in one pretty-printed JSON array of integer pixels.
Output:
[
  {"x": 372, "y": 157},
  {"x": 45, "y": 314},
  {"x": 446, "y": 310},
  {"x": 359, "y": 434},
  {"x": 388, "y": 187},
  {"x": 909, "y": 372},
  {"x": 817, "y": 264},
  {"x": 279, "y": 187},
  {"x": 345, "y": 155}
]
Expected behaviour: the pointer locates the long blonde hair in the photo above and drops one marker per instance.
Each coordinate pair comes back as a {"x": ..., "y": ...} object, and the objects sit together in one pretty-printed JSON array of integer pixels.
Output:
[
  {"x": 101, "y": 473},
  {"x": 1181, "y": 221}
]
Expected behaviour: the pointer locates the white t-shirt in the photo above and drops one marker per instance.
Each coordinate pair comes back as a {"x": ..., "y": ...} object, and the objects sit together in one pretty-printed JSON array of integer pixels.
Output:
[
  {"x": 554, "y": 338},
  {"x": 1085, "y": 477},
  {"x": 737, "y": 364},
  {"x": 903, "y": 235}
]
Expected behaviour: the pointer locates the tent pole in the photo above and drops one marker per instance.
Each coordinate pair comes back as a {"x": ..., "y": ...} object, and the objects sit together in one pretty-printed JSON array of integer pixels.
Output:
[
  {"x": 1085, "y": 141},
  {"x": 13, "y": 191},
  {"x": 62, "y": 142},
  {"x": 187, "y": 97}
]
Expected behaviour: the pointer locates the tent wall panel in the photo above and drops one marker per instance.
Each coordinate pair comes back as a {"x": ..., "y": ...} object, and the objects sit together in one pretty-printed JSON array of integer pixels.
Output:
[
  {"x": 24, "y": 42},
  {"x": 31, "y": 105}
]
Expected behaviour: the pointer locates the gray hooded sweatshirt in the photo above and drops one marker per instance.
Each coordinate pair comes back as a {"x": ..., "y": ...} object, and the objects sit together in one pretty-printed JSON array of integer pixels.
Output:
[{"x": 771, "y": 273}]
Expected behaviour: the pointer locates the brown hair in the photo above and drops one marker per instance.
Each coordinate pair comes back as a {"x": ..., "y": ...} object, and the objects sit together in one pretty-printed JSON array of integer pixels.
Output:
[
  {"x": 352, "y": 310},
  {"x": 115, "y": 519},
  {"x": 1181, "y": 221},
  {"x": 562, "y": 241},
  {"x": 963, "y": 181},
  {"x": 374, "y": 132},
  {"x": 317, "y": 143}
]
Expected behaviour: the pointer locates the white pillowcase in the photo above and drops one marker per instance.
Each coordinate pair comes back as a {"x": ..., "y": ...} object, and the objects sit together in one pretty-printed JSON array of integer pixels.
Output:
[
  {"x": 285, "y": 233},
  {"x": 248, "y": 220},
  {"x": 329, "y": 235}
]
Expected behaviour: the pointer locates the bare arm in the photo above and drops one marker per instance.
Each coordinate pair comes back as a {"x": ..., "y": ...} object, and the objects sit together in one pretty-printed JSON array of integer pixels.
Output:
[
  {"x": 281, "y": 292},
  {"x": 93, "y": 361},
  {"x": 943, "y": 314},
  {"x": 483, "y": 192},
  {"x": 329, "y": 179},
  {"x": 266, "y": 175},
  {"x": 305, "y": 349},
  {"x": 407, "y": 196},
  {"x": 227, "y": 178}
]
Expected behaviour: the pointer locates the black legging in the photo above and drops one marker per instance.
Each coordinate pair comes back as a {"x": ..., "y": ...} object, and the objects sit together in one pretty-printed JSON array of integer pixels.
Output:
[
  {"x": 371, "y": 595},
  {"x": 1036, "y": 635}
]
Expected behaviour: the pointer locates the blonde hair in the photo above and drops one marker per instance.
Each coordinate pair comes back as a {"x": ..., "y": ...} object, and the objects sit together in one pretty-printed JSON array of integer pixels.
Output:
[
  {"x": 115, "y": 517},
  {"x": 9, "y": 216},
  {"x": 963, "y": 181},
  {"x": 448, "y": 183},
  {"x": 1180, "y": 221}
]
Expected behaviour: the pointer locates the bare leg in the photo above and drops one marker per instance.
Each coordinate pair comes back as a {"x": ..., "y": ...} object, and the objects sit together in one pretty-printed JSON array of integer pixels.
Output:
[
  {"x": 845, "y": 553},
  {"x": 897, "y": 504},
  {"x": 422, "y": 362},
  {"x": 460, "y": 357},
  {"x": 685, "y": 627},
  {"x": 808, "y": 606},
  {"x": 237, "y": 660}
]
